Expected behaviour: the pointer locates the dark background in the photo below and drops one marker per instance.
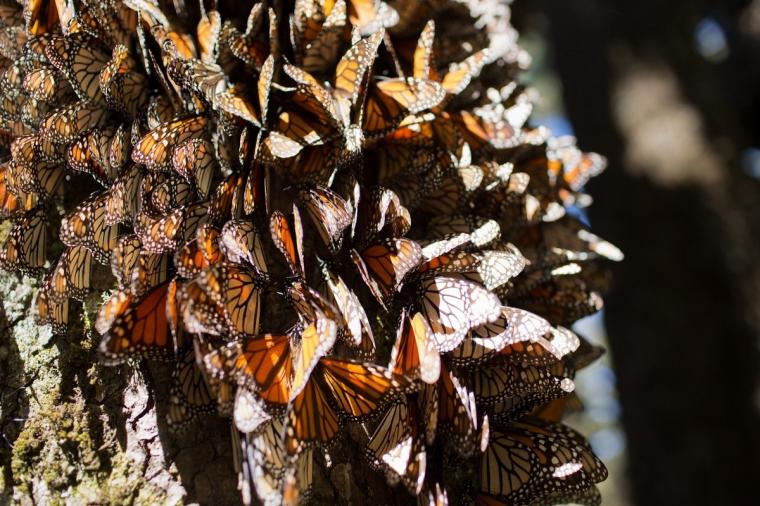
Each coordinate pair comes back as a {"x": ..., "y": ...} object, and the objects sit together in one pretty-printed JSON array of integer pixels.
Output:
[{"x": 669, "y": 91}]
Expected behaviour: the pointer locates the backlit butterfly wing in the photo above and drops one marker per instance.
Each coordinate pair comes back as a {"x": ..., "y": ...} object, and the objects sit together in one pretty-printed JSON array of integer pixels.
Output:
[
  {"x": 357, "y": 390},
  {"x": 396, "y": 447},
  {"x": 513, "y": 326},
  {"x": 45, "y": 16},
  {"x": 389, "y": 262},
  {"x": 452, "y": 306},
  {"x": 238, "y": 291},
  {"x": 392, "y": 100},
  {"x": 360, "y": 389},
  {"x": 287, "y": 240},
  {"x": 330, "y": 214},
  {"x": 316, "y": 340},
  {"x": 241, "y": 241},
  {"x": 422, "y": 67},
  {"x": 460, "y": 74},
  {"x": 354, "y": 317},
  {"x": 414, "y": 353},
  {"x": 527, "y": 462},
  {"x": 350, "y": 74},
  {"x": 135, "y": 327},
  {"x": 264, "y": 364}
]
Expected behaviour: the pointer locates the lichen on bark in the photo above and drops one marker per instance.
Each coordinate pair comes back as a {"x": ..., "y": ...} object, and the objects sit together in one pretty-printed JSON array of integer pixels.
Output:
[{"x": 76, "y": 432}]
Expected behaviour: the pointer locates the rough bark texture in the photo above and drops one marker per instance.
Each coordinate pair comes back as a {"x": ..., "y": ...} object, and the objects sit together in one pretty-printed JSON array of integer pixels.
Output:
[{"x": 75, "y": 432}]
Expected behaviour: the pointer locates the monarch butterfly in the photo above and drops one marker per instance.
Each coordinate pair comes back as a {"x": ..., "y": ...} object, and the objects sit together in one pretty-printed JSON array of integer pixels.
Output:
[
  {"x": 263, "y": 363},
  {"x": 208, "y": 30},
  {"x": 380, "y": 213},
  {"x": 50, "y": 311},
  {"x": 90, "y": 154},
  {"x": 233, "y": 102},
  {"x": 79, "y": 57},
  {"x": 289, "y": 241},
  {"x": 414, "y": 353},
  {"x": 330, "y": 214},
  {"x": 509, "y": 391},
  {"x": 384, "y": 266},
  {"x": 199, "y": 313},
  {"x": 238, "y": 291},
  {"x": 481, "y": 231},
  {"x": 123, "y": 87},
  {"x": 562, "y": 300},
  {"x": 512, "y": 326},
  {"x": 71, "y": 276},
  {"x": 452, "y": 306},
  {"x": 530, "y": 461},
  {"x": 190, "y": 396},
  {"x": 86, "y": 226},
  {"x": 342, "y": 106},
  {"x": 190, "y": 260},
  {"x": 390, "y": 101},
  {"x": 26, "y": 245},
  {"x": 458, "y": 425},
  {"x": 357, "y": 390},
  {"x": 13, "y": 202},
  {"x": 67, "y": 123},
  {"x": 151, "y": 270},
  {"x": 573, "y": 166},
  {"x": 268, "y": 471},
  {"x": 442, "y": 253},
  {"x": 124, "y": 258},
  {"x": 204, "y": 80},
  {"x": 194, "y": 160},
  {"x": 45, "y": 16},
  {"x": 355, "y": 321},
  {"x": 44, "y": 84},
  {"x": 169, "y": 192},
  {"x": 155, "y": 148},
  {"x": 252, "y": 46},
  {"x": 226, "y": 203},
  {"x": 241, "y": 242},
  {"x": 135, "y": 326},
  {"x": 163, "y": 233},
  {"x": 123, "y": 198},
  {"x": 498, "y": 267},
  {"x": 396, "y": 447},
  {"x": 318, "y": 54},
  {"x": 500, "y": 129},
  {"x": 369, "y": 15}
]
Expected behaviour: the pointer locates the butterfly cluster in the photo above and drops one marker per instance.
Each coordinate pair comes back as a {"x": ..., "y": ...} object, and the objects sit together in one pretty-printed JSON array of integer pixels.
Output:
[{"x": 332, "y": 217}]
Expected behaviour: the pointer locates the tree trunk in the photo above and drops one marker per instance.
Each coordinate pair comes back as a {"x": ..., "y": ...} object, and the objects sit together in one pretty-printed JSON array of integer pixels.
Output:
[{"x": 682, "y": 317}]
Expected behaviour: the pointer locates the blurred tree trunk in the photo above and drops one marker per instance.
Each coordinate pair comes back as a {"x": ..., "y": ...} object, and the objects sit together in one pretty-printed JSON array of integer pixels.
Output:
[{"x": 682, "y": 316}]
